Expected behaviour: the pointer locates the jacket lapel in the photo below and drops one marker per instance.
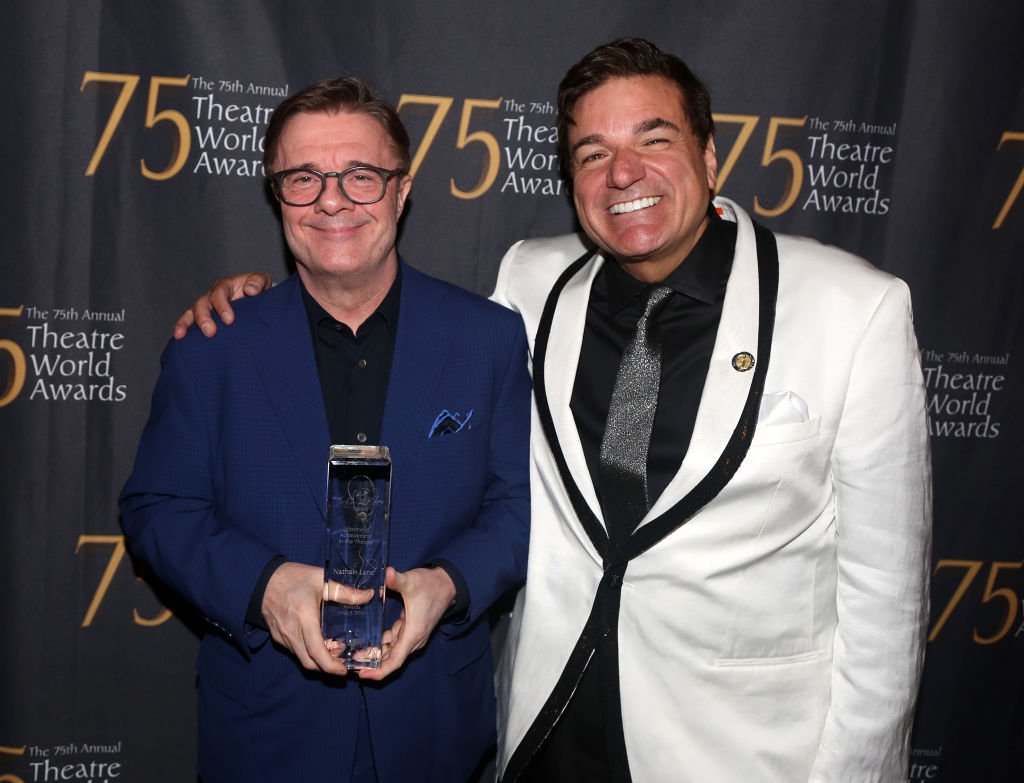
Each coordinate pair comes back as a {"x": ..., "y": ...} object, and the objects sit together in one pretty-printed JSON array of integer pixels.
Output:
[
  {"x": 725, "y": 389},
  {"x": 561, "y": 362},
  {"x": 416, "y": 366},
  {"x": 284, "y": 358}
]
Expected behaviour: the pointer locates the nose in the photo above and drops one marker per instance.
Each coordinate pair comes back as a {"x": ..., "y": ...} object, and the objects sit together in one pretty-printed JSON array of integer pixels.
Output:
[
  {"x": 333, "y": 199},
  {"x": 626, "y": 169}
]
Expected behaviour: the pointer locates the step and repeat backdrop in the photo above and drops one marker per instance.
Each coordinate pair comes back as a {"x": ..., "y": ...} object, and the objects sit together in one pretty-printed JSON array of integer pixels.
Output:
[{"x": 131, "y": 178}]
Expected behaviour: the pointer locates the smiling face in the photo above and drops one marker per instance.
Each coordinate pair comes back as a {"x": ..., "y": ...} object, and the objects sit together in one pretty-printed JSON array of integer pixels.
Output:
[
  {"x": 641, "y": 180},
  {"x": 334, "y": 240}
]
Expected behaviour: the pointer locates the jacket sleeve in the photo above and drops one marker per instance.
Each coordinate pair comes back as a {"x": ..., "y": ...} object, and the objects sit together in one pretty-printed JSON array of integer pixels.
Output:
[
  {"x": 502, "y": 293},
  {"x": 881, "y": 474},
  {"x": 169, "y": 508}
]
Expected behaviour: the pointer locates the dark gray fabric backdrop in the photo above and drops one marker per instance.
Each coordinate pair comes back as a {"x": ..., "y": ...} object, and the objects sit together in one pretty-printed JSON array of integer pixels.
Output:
[{"x": 131, "y": 181}]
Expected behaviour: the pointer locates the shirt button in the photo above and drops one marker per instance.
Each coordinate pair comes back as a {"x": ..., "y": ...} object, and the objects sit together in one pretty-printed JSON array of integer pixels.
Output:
[
  {"x": 361, "y": 437},
  {"x": 361, "y": 364},
  {"x": 337, "y": 327}
]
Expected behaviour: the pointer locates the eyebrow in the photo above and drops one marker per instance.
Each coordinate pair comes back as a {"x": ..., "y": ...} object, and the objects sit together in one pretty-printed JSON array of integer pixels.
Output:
[
  {"x": 655, "y": 124},
  {"x": 348, "y": 165},
  {"x": 644, "y": 126}
]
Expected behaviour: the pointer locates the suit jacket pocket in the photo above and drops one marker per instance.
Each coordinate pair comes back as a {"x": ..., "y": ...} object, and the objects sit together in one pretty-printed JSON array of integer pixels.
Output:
[{"x": 775, "y": 660}]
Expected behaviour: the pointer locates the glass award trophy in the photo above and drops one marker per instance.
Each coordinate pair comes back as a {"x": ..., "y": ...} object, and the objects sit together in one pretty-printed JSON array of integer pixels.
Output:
[{"x": 358, "y": 508}]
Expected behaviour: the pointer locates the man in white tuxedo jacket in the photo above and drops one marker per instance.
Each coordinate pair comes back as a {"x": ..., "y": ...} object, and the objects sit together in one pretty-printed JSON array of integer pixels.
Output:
[{"x": 765, "y": 619}]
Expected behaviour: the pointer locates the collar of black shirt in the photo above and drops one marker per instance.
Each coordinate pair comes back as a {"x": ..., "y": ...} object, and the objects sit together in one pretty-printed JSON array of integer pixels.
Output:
[
  {"x": 700, "y": 275},
  {"x": 387, "y": 310}
]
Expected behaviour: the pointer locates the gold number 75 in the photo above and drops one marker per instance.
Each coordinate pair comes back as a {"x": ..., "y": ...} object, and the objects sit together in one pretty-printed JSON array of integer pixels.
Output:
[
  {"x": 770, "y": 155},
  {"x": 116, "y": 556},
  {"x": 128, "y": 82},
  {"x": 441, "y": 105},
  {"x": 971, "y": 570}
]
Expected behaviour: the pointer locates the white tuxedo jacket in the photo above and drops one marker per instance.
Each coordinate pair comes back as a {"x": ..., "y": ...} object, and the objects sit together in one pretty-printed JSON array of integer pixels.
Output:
[{"x": 778, "y": 634}]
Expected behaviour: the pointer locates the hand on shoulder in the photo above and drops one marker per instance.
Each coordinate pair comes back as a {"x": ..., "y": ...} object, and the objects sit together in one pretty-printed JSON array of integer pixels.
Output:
[{"x": 219, "y": 298}]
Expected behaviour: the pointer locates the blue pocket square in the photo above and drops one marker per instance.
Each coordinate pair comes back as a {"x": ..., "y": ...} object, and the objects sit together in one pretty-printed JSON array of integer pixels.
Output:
[{"x": 449, "y": 422}]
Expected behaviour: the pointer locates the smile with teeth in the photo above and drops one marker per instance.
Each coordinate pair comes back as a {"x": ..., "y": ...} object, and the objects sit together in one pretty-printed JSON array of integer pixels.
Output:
[{"x": 633, "y": 206}]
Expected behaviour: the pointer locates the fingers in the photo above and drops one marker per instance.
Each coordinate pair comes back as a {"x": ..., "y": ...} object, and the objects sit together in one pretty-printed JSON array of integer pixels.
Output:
[
  {"x": 228, "y": 289},
  {"x": 388, "y": 640},
  {"x": 396, "y": 648},
  {"x": 337, "y": 593},
  {"x": 291, "y": 608},
  {"x": 390, "y": 636},
  {"x": 318, "y": 652},
  {"x": 218, "y": 299},
  {"x": 306, "y": 643},
  {"x": 425, "y": 595},
  {"x": 255, "y": 282},
  {"x": 182, "y": 324}
]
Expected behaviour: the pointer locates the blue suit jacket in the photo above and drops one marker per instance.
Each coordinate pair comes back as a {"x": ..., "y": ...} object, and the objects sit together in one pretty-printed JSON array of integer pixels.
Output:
[{"x": 231, "y": 471}]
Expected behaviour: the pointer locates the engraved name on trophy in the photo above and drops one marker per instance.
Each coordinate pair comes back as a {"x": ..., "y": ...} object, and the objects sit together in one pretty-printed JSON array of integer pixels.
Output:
[{"x": 358, "y": 508}]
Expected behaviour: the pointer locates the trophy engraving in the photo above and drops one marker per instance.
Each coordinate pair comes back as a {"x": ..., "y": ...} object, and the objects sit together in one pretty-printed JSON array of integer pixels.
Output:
[{"x": 358, "y": 511}]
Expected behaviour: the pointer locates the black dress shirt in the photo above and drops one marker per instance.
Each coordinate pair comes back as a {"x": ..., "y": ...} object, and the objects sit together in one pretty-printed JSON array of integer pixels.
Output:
[
  {"x": 688, "y": 324},
  {"x": 354, "y": 367}
]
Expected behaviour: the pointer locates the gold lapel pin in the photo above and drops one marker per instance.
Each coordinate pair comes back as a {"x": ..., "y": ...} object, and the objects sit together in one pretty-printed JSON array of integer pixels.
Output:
[{"x": 743, "y": 361}]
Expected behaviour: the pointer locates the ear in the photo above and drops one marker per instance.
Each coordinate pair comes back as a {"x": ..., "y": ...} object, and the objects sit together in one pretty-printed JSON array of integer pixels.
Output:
[
  {"x": 711, "y": 164},
  {"x": 402, "y": 192}
]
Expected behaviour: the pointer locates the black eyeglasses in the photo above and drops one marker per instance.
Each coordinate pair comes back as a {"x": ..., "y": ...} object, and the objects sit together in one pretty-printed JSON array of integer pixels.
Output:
[{"x": 362, "y": 184}]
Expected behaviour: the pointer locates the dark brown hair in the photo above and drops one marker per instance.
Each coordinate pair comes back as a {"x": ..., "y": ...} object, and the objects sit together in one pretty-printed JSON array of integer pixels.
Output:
[
  {"x": 624, "y": 58},
  {"x": 345, "y": 93}
]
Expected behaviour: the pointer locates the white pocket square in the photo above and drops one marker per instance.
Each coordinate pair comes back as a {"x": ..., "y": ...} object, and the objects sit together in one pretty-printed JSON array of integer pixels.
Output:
[{"x": 783, "y": 407}]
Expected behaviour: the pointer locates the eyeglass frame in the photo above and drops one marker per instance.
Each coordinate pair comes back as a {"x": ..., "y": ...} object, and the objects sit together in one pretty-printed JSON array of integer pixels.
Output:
[{"x": 388, "y": 174}]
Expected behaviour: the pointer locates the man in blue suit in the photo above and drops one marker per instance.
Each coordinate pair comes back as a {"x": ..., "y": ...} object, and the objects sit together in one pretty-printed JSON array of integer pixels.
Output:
[{"x": 226, "y": 500}]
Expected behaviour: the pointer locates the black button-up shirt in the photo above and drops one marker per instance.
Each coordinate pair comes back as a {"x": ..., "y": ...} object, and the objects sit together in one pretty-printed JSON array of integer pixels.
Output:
[
  {"x": 354, "y": 367},
  {"x": 688, "y": 325}
]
